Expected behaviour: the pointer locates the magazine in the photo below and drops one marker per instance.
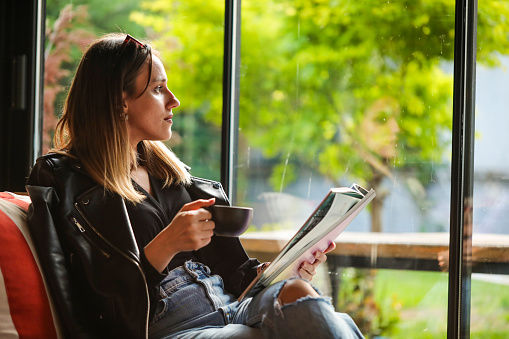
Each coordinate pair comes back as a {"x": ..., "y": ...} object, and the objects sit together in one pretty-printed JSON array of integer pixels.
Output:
[{"x": 339, "y": 207}]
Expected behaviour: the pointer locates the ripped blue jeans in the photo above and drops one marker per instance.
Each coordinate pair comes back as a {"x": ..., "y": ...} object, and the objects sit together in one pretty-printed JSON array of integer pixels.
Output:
[{"x": 194, "y": 304}]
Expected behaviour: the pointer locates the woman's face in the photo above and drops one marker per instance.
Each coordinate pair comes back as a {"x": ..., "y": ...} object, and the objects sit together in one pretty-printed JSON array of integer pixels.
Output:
[
  {"x": 149, "y": 116},
  {"x": 381, "y": 127}
]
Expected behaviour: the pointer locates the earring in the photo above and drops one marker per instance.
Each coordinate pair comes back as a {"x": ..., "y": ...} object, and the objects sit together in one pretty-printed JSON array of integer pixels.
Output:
[{"x": 124, "y": 116}]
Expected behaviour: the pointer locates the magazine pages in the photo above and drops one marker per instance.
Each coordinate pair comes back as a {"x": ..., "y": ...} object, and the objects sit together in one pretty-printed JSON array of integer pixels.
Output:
[{"x": 330, "y": 218}]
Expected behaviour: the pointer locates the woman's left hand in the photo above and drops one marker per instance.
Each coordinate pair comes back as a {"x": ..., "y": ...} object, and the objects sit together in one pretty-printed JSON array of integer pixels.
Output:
[{"x": 307, "y": 270}]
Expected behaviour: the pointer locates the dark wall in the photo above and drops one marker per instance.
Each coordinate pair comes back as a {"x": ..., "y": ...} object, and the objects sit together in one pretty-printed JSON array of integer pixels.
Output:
[{"x": 20, "y": 35}]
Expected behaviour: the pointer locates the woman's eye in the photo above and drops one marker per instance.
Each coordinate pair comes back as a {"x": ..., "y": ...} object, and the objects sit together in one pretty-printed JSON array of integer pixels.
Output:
[{"x": 159, "y": 89}]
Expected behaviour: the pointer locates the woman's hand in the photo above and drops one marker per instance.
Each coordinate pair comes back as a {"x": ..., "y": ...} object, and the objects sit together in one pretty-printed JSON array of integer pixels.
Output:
[
  {"x": 307, "y": 270},
  {"x": 190, "y": 230}
]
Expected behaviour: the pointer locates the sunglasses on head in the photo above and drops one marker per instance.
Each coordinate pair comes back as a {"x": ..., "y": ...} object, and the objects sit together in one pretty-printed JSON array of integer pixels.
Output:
[{"x": 127, "y": 40}]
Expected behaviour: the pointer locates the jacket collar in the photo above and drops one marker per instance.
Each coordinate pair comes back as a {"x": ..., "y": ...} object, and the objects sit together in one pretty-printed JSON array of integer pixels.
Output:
[{"x": 106, "y": 213}]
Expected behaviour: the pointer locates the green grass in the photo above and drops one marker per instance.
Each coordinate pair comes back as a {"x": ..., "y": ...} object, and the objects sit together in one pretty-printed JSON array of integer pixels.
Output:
[{"x": 421, "y": 300}]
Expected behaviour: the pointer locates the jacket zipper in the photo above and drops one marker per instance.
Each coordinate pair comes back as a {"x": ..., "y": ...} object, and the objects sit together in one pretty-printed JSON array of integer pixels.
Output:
[
  {"x": 89, "y": 240},
  {"x": 82, "y": 230}
]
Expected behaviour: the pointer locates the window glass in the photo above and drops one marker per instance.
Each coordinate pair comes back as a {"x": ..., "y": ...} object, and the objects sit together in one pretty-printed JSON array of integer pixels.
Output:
[
  {"x": 340, "y": 92},
  {"x": 189, "y": 37},
  {"x": 331, "y": 93},
  {"x": 490, "y": 253}
]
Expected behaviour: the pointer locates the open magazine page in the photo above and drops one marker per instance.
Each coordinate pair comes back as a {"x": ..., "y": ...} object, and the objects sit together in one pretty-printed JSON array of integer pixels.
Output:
[
  {"x": 328, "y": 214},
  {"x": 331, "y": 217},
  {"x": 337, "y": 202},
  {"x": 309, "y": 248}
]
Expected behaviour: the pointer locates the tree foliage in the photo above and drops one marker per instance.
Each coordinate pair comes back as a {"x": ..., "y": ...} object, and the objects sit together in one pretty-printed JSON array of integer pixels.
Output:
[
  {"x": 339, "y": 87},
  {"x": 65, "y": 35},
  {"x": 70, "y": 28},
  {"x": 348, "y": 89},
  {"x": 189, "y": 36}
]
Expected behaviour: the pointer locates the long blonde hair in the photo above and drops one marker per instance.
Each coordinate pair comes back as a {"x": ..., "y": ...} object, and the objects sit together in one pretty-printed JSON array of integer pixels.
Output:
[{"x": 93, "y": 128}]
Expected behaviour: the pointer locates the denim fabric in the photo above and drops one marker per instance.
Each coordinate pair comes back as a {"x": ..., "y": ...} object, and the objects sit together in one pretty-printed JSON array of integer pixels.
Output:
[
  {"x": 190, "y": 298},
  {"x": 194, "y": 305},
  {"x": 307, "y": 317}
]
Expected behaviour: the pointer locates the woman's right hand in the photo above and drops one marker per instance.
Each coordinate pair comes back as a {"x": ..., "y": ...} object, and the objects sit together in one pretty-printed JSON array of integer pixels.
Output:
[{"x": 190, "y": 230}]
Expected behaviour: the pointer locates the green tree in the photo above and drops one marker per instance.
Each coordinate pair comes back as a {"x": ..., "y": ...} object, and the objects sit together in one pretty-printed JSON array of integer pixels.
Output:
[
  {"x": 189, "y": 35},
  {"x": 65, "y": 35},
  {"x": 315, "y": 73},
  {"x": 103, "y": 16},
  {"x": 70, "y": 27}
]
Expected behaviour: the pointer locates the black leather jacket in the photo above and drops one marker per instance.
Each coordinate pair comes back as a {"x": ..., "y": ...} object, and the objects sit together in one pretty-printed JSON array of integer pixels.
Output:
[{"x": 89, "y": 255}]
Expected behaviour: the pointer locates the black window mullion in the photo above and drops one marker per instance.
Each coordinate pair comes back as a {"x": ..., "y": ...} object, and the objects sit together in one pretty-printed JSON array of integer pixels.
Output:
[
  {"x": 462, "y": 169},
  {"x": 21, "y": 73},
  {"x": 230, "y": 124}
]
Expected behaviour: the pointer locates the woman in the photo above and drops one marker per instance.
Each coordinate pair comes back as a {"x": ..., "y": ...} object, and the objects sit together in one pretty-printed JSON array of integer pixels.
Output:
[{"x": 125, "y": 241}]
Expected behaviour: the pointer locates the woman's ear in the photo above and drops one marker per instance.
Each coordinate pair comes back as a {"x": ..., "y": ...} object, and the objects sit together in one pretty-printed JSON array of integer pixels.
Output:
[{"x": 124, "y": 101}]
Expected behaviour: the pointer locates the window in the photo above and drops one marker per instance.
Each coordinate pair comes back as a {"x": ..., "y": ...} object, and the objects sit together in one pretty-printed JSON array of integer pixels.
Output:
[
  {"x": 490, "y": 280},
  {"x": 192, "y": 51},
  {"x": 328, "y": 93},
  {"x": 328, "y": 98}
]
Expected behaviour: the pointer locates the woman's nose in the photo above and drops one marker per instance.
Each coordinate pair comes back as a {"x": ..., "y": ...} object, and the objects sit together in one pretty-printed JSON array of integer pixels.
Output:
[{"x": 173, "y": 102}]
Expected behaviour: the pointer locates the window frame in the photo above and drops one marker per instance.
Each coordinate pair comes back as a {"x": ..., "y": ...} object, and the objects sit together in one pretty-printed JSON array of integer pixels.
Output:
[
  {"x": 462, "y": 166},
  {"x": 462, "y": 169},
  {"x": 462, "y": 162}
]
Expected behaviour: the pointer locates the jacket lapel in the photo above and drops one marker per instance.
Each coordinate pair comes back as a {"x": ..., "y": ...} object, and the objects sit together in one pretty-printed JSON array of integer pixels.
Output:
[{"x": 106, "y": 213}]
